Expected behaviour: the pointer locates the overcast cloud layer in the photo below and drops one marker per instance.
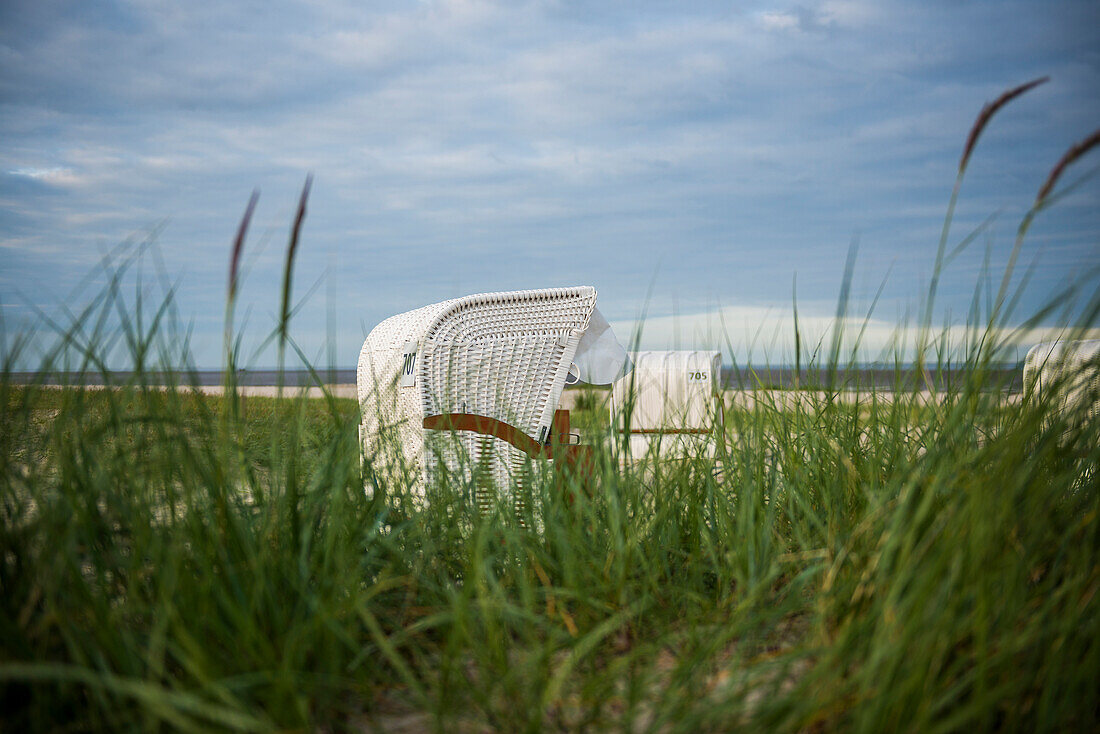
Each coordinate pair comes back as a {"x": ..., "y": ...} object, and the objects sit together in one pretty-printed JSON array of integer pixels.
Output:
[{"x": 679, "y": 160}]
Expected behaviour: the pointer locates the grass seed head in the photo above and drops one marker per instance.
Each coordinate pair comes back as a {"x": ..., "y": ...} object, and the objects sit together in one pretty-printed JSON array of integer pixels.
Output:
[
  {"x": 987, "y": 113},
  {"x": 1071, "y": 155},
  {"x": 238, "y": 243}
]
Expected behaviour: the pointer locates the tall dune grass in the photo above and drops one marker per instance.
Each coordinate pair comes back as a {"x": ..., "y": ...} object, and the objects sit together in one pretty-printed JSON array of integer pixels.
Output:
[{"x": 174, "y": 561}]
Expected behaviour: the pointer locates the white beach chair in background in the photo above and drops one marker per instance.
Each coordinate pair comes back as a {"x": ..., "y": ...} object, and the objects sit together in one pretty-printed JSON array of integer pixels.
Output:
[
  {"x": 1066, "y": 373},
  {"x": 472, "y": 385},
  {"x": 671, "y": 403}
]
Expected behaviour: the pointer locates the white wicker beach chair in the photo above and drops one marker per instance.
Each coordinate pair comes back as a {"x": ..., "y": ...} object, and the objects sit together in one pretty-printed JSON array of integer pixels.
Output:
[
  {"x": 671, "y": 401},
  {"x": 472, "y": 385},
  {"x": 1066, "y": 373}
]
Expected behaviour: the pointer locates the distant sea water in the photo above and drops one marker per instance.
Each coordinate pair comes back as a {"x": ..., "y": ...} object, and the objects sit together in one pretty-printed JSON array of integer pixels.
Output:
[
  {"x": 204, "y": 378},
  {"x": 865, "y": 377}
]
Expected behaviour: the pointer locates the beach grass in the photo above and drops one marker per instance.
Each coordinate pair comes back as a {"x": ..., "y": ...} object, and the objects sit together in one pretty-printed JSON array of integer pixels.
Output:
[
  {"x": 174, "y": 561},
  {"x": 851, "y": 567}
]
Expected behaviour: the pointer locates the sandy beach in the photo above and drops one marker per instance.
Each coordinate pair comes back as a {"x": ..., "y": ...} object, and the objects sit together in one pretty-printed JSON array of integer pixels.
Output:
[{"x": 747, "y": 399}]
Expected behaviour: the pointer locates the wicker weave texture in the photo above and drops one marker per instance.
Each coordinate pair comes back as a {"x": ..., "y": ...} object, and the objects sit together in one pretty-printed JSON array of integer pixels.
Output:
[
  {"x": 500, "y": 355},
  {"x": 1066, "y": 372}
]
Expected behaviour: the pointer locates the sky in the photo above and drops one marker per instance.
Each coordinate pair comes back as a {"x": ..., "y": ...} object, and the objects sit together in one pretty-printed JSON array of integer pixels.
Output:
[{"x": 702, "y": 164}]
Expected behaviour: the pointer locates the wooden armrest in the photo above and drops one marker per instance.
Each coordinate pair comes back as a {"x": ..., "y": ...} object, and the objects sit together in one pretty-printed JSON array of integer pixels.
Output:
[
  {"x": 491, "y": 427},
  {"x": 576, "y": 456}
]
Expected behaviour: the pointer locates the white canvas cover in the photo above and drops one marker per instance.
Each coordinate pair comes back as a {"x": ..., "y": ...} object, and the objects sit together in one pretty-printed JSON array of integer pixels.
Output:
[{"x": 600, "y": 359}]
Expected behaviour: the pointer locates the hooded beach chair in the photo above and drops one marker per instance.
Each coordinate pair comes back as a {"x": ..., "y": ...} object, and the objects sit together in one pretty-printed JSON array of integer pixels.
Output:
[
  {"x": 671, "y": 403},
  {"x": 1067, "y": 373},
  {"x": 469, "y": 388}
]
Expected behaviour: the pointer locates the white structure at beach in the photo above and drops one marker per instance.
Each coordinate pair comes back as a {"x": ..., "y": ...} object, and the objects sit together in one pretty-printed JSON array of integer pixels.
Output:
[
  {"x": 671, "y": 400},
  {"x": 1066, "y": 373},
  {"x": 472, "y": 384}
]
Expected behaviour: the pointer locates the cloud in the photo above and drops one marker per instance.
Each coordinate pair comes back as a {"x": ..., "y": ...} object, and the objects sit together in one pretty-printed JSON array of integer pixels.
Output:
[
  {"x": 850, "y": 13},
  {"x": 774, "y": 20},
  {"x": 766, "y": 335},
  {"x": 59, "y": 175},
  {"x": 706, "y": 152}
]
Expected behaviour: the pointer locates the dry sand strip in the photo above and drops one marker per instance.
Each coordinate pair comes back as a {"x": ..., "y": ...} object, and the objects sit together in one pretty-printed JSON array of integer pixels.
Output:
[
  {"x": 788, "y": 399},
  {"x": 250, "y": 391},
  {"x": 747, "y": 399},
  {"x": 270, "y": 391}
]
